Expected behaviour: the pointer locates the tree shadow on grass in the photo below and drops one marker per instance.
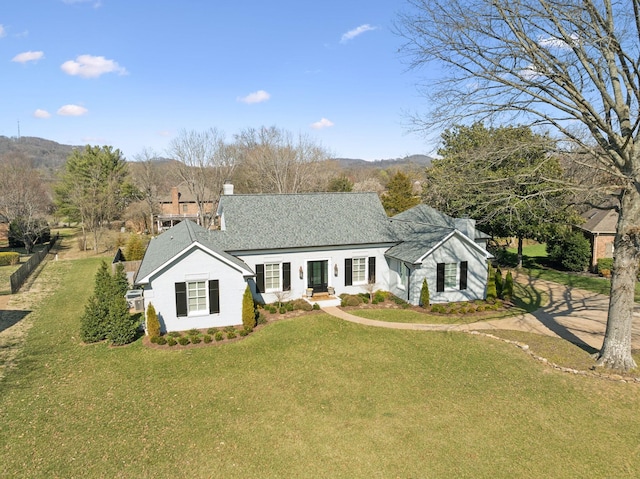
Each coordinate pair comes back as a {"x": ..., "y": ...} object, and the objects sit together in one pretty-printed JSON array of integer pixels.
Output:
[
  {"x": 549, "y": 315},
  {"x": 10, "y": 317}
]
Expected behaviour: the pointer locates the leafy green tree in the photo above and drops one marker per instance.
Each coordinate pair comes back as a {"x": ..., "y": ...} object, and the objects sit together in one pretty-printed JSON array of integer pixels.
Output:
[
  {"x": 504, "y": 177},
  {"x": 153, "y": 324},
  {"x": 424, "y": 294},
  {"x": 248, "y": 310},
  {"x": 92, "y": 189},
  {"x": 340, "y": 183},
  {"x": 399, "y": 196},
  {"x": 572, "y": 251}
]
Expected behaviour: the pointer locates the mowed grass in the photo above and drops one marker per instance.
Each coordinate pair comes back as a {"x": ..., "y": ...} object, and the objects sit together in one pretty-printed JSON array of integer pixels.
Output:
[
  {"x": 535, "y": 265},
  {"x": 526, "y": 299},
  {"x": 312, "y": 397}
]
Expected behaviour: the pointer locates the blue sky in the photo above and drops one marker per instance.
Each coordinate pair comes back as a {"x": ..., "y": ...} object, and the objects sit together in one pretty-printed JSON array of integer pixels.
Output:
[{"x": 133, "y": 73}]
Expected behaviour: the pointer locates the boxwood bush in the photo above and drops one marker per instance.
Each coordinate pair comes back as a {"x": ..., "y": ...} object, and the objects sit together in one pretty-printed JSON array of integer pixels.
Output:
[{"x": 9, "y": 258}]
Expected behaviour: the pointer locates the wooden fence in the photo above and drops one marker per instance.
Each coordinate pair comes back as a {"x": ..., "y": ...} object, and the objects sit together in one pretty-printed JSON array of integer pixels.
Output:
[{"x": 18, "y": 278}]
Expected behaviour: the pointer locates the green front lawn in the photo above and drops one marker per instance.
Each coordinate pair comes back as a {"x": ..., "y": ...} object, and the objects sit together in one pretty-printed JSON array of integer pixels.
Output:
[
  {"x": 526, "y": 299},
  {"x": 312, "y": 397}
]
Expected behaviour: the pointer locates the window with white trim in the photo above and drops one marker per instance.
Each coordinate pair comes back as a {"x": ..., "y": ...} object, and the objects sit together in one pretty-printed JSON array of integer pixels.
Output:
[
  {"x": 272, "y": 276},
  {"x": 450, "y": 275},
  {"x": 197, "y": 297},
  {"x": 359, "y": 270}
]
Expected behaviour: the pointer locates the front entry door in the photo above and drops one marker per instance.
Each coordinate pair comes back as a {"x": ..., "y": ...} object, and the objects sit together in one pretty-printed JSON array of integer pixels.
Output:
[{"x": 317, "y": 274}]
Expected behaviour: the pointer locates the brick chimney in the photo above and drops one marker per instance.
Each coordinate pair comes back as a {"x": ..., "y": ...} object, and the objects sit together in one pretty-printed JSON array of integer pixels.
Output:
[{"x": 175, "y": 201}]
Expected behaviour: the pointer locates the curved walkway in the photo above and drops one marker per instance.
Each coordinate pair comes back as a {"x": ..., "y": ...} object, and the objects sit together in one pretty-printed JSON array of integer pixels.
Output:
[{"x": 577, "y": 315}]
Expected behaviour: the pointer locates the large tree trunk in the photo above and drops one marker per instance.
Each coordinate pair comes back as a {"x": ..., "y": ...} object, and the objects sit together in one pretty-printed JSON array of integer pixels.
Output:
[
  {"x": 520, "y": 244},
  {"x": 616, "y": 349}
]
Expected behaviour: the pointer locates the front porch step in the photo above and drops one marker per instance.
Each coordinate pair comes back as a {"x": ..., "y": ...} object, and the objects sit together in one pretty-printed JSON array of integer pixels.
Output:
[{"x": 324, "y": 300}]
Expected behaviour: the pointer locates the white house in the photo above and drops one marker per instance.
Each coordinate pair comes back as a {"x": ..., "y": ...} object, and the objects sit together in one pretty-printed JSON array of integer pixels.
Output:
[{"x": 296, "y": 245}]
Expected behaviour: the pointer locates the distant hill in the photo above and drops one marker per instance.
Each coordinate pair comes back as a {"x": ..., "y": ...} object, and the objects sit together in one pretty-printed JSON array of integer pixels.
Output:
[
  {"x": 46, "y": 155},
  {"x": 50, "y": 156},
  {"x": 422, "y": 161}
]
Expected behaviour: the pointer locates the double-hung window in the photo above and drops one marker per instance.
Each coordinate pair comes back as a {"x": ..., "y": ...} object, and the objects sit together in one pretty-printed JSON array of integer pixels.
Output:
[
  {"x": 272, "y": 276},
  {"x": 359, "y": 268},
  {"x": 451, "y": 276},
  {"x": 196, "y": 296}
]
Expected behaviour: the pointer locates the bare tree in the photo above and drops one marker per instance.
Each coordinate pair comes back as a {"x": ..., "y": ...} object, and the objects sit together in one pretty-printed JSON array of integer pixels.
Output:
[
  {"x": 570, "y": 66},
  {"x": 152, "y": 180},
  {"x": 24, "y": 200},
  {"x": 205, "y": 161},
  {"x": 273, "y": 161}
]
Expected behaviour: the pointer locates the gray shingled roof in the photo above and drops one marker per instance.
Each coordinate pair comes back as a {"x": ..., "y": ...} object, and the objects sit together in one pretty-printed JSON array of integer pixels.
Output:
[
  {"x": 166, "y": 246},
  {"x": 430, "y": 216},
  {"x": 417, "y": 239},
  {"x": 254, "y": 222},
  {"x": 270, "y": 222},
  {"x": 600, "y": 221}
]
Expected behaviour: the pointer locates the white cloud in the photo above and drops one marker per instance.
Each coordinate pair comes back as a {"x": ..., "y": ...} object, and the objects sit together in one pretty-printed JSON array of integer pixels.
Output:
[
  {"x": 88, "y": 66},
  {"x": 72, "y": 110},
  {"x": 323, "y": 123},
  {"x": 3, "y": 32},
  {"x": 355, "y": 32},
  {"x": 41, "y": 114},
  {"x": 554, "y": 42},
  {"x": 255, "y": 97},
  {"x": 165, "y": 133},
  {"x": 29, "y": 56}
]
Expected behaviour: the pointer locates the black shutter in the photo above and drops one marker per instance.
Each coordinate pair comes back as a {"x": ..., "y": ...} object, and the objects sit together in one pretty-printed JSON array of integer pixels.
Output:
[
  {"x": 440, "y": 278},
  {"x": 464, "y": 265},
  {"x": 260, "y": 278},
  {"x": 372, "y": 269},
  {"x": 286, "y": 276},
  {"x": 214, "y": 296},
  {"x": 348, "y": 272},
  {"x": 181, "y": 299}
]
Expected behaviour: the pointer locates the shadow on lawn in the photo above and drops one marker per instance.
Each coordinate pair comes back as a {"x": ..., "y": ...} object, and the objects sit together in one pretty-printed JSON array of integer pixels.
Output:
[
  {"x": 10, "y": 317},
  {"x": 549, "y": 317}
]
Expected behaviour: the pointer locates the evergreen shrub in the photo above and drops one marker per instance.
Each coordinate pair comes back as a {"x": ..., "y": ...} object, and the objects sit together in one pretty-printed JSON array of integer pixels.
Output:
[
  {"x": 507, "y": 292},
  {"x": 218, "y": 336},
  {"x": 153, "y": 324},
  {"x": 161, "y": 340},
  {"x": 183, "y": 340},
  {"x": 424, "y": 294},
  {"x": 171, "y": 341},
  {"x": 207, "y": 338},
  {"x": 248, "y": 309},
  {"x": 122, "y": 327}
]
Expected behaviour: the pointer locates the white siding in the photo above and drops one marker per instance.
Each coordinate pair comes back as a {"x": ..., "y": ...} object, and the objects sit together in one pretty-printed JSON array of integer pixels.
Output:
[
  {"x": 196, "y": 265},
  {"x": 334, "y": 257},
  {"x": 452, "y": 251}
]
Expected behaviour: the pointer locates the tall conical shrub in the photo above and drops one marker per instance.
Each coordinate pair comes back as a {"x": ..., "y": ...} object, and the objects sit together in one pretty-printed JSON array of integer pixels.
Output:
[
  {"x": 499, "y": 282},
  {"x": 248, "y": 310},
  {"x": 424, "y": 294},
  {"x": 507, "y": 292},
  {"x": 122, "y": 326},
  {"x": 92, "y": 326},
  {"x": 492, "y": 294},
  {"x": 153, "y": 324}
]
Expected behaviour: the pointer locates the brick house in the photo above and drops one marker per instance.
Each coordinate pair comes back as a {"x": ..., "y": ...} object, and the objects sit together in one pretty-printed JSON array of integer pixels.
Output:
[
  {"x": 178, "y": 206},
  {"x": 600, "y": 228}
]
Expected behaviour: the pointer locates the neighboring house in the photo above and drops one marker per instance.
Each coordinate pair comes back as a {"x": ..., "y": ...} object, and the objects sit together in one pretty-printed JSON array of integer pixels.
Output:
[
  {"x": 600, "y": 229},
  {"x": 297, "y": 245},
  {"x": 178, "y": 206}
]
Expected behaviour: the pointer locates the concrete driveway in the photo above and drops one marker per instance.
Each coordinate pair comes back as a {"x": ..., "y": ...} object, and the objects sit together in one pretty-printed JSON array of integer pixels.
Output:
[{"x": 574, "y": 314}]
